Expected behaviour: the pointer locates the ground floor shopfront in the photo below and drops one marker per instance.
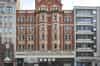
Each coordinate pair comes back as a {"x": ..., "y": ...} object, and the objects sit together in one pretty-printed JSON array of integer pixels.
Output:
[
  {"x": 7, "y": 63},
  {"x": 46, "y": 62},
  {"x": 86, "y": 61}
]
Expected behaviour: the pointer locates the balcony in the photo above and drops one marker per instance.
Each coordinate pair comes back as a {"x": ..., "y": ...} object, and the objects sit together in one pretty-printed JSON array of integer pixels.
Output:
[
  {"x": 84, "y": 15},
  {"x": 84, "y": 41},
  {"x": 85, "y": 32},
  {"x": 85, "y": 58},
  {"x": 84, "y": 49},
  {"x": 45, "y": 54},
  {"x": 84, "y": 23}
]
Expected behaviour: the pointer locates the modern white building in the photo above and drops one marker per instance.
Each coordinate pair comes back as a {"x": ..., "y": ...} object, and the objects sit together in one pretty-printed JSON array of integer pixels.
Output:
[{"x": 87, "y": 35}]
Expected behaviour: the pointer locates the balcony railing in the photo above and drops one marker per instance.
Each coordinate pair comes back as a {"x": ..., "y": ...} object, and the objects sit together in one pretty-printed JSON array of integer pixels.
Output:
[
  {"x": 84, "y": 32},
  {"x": 85, "y": 58},
  {"x": 84, "y": 41},
  {"x": 84, "y": 23},
  {"x": 86, "y": 49},
  {"x": 84, "y": 15}
]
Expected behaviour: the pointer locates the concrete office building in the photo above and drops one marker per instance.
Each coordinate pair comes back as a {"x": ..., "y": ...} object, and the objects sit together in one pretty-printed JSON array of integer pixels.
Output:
[{"x": 7, "y": 31}]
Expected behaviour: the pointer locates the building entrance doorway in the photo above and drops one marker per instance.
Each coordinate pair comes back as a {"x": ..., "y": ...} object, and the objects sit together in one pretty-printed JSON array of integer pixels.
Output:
[{"x": 8, "y": 64}]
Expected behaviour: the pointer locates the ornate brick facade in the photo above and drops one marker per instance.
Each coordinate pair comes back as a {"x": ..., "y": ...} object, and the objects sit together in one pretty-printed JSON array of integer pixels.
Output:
[
  {"x": 52, "y": 21},
  {"x": 46, "y": 31}
]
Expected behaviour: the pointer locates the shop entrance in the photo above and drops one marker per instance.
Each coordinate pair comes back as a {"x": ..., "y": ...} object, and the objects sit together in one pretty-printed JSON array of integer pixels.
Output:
[{"x": 8, "y": 64}]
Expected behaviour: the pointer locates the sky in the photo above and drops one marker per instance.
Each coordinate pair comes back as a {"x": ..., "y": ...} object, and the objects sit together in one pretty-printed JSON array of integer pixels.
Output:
[{"x": 67, "y": 4}]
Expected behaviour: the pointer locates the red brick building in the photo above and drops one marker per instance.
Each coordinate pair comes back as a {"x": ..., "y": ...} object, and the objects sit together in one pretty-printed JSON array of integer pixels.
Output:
[
  {"x": 45, "y": 34},
  {"x": 25, "y": 30}
]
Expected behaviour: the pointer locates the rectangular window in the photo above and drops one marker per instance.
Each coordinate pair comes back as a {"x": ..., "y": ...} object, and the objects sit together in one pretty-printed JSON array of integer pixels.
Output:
[
  {"x": 54, "y": 17},
  {"x": 84, "y": 28},
  {"x": 5, "y": 19},
  {"x": 42, "y": 17},
  {"x": 55, "y": 46},
  {"x": 67, "y": 47},
  {"x": 21, "y": 37},
  {"x": 1, "y": 18},
  {"x": 84, "y": 37},
  {"x": 55, "y": 26},
  {"x": 1, "y": 21},
  {"x": 30, "y": 46},
  {"x": 55, "y": 36},
  {"x": 10, "y": 18},
  {"x": 67, "y": 27},
  {"x": 30, "y": 37},
  {"x": 42, "y": 46},
  {"x": 31, "y": 19},
  {"x": 67, "y": 37},
  {"x": 84, "y": 20},
  {"x": 28, "y": 18},
  {"x": 21, "y": 18},
  {"x": 2, "y": 10},
  {"x": 18, "y": 19},
  {"x": 67, "y": 19},
  {"x": 30, "y": 27},
  {"x": 21, "y": 47},
  {"x": 84, "y": 11},
  {"x": 42, "y": 36},
  {"x": 42, "y": 27},
  {"x": 9, "y": 9},
  {"x": 21, "y": 27}
]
